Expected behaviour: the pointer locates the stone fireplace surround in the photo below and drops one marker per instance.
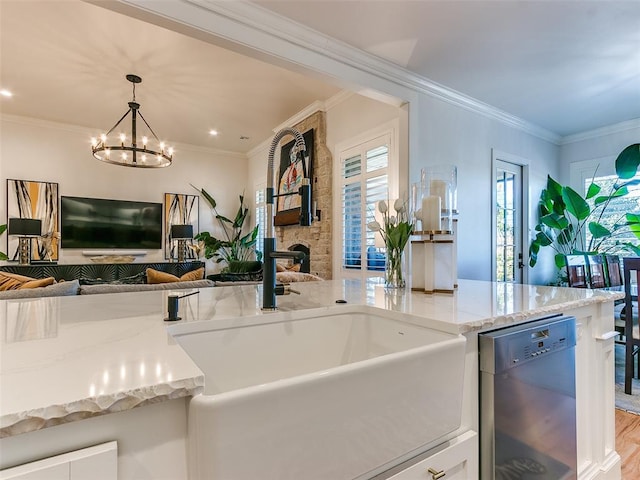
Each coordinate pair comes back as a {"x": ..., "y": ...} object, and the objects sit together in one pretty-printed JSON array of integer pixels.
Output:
[{"x": 317, "y": 237}]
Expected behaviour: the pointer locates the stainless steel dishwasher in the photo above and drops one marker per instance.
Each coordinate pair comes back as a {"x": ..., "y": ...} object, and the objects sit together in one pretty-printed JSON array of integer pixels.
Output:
[{"x": 528, "y": 401}]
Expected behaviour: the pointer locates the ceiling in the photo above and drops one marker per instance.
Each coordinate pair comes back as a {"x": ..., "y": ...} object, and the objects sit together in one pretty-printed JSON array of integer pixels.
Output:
[
  {"x": 567, "y": 66},
  {"x": 66, "y": 61}
]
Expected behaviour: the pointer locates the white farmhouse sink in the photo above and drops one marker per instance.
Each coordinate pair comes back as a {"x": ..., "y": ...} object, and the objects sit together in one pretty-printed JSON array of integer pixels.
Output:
[{"x": 333, "y": 396}]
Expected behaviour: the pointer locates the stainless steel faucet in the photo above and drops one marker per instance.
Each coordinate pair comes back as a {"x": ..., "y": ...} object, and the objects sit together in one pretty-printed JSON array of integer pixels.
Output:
[{"x": 269, "y": 287}]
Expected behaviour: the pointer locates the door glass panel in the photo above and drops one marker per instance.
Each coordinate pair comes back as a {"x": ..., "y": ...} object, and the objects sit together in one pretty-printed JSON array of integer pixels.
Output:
[{"x": 508, "y": 230}]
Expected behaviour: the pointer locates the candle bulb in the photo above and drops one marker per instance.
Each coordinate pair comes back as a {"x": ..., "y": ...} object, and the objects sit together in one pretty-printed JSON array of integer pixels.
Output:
[
  {"x": 439, "y": 188},
  {"x": 431, "y": 207}
]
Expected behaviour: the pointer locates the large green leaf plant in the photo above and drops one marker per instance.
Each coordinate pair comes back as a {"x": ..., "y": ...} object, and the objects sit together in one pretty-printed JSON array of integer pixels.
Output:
[
  {"x": 565, "y": 215},
  {"x": 235, "y": 246}
]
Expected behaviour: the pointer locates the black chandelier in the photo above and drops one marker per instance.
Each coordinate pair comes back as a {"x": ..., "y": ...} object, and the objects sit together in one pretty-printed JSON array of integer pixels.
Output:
[{"x": 129, "y": 152}]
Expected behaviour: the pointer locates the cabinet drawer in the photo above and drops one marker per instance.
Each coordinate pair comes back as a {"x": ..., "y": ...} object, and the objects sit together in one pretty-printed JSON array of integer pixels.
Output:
[
  {"x": 457, "y": 461},
  {"x": 99, "y": 462}
]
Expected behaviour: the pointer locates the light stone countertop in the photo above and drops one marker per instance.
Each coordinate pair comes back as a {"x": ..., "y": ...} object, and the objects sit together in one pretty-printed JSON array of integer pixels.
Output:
[{"x": 63, "y": 359}]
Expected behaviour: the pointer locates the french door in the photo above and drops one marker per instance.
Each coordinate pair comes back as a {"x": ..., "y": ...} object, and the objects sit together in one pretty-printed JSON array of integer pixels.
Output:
[{"x": 508, "y": 215}]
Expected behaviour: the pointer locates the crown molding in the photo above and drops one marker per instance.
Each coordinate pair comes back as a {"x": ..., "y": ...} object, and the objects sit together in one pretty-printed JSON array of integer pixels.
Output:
[
  {"x": 301, "y": 115},
  {"x": 328, "y": 104},
  {"x": 274, "y": 26},
  {"x": 41, "y": 123},
  {"x": 337, "y": 99},
  {"x": 601, "y": 132},
  {"x": 88, "y": 132}
]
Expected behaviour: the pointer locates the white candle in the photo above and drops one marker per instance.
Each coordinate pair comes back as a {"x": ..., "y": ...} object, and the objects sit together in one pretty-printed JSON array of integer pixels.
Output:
[
  {"x": 431, "y": 207},
  {"x": 439, "y": 188}
]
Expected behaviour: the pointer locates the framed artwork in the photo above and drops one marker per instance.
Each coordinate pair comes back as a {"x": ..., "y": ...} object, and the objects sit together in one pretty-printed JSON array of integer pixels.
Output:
[
  {"x": 38, "y": 200},
  {"x": 179, "y": 209},
  {"x": 290, "y": 176}
]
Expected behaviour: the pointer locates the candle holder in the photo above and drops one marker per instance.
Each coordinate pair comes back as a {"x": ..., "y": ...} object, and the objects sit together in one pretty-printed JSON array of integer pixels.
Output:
[
  {"x": 433, "y": 246},
  {"x": 440, "y": 181}
]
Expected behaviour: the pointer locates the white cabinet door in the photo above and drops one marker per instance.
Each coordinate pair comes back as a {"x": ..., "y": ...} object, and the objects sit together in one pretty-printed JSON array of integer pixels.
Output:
[
  {"x": 93, "y": 463},
  {"x": 458, "y": 461}
]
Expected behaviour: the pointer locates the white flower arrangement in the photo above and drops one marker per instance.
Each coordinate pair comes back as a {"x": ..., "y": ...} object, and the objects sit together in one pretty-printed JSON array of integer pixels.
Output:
[{"x": 395, "y": 232}]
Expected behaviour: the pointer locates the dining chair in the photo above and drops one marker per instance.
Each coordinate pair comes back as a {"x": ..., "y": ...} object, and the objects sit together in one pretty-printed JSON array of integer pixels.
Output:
[
  {"x": 631, "y": 267},
  {"x": 577, "y": 271},
  {"x": 614, "y": 272},
  {"x": 614, "y": 282},
  {"x": 597, "y": 271}
]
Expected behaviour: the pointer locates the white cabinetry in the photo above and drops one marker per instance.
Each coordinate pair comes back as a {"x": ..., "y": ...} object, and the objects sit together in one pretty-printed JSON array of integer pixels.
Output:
[
  {"x": 96, "y": 463},
  {"x": 457, "y": 459}
]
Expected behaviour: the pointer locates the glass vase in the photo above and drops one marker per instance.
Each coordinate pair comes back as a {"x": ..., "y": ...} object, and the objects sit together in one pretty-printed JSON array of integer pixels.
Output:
[{"x": 395, "y": 269}]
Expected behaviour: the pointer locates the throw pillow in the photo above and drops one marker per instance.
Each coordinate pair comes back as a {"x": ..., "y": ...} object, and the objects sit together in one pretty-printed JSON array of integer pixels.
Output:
[
  {"x": 40, "y": 282},
  {"x": 56, "y": 290},
  {"x": 13, "y": 281},
  {"x": 138, "y": 278},
  {"x": 154, "y": 276},
  {"x": 280, "y": 268},
  {"x": 197, "y": 274},
  {"x": 294, "y": 268}
]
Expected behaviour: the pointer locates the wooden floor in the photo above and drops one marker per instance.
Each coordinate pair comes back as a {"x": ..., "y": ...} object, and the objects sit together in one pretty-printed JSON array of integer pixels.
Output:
[{"x": 628, "y": 443}]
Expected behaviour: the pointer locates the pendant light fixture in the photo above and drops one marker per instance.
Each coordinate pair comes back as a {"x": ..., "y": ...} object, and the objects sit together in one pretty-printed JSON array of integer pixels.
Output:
[{"x": 130, "y": 150}]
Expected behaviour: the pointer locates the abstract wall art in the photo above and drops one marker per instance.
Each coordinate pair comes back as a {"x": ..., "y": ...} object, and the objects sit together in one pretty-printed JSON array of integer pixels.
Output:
[
  {"x": 179, "y": 209},
  {"x": 38, "y": 200}
]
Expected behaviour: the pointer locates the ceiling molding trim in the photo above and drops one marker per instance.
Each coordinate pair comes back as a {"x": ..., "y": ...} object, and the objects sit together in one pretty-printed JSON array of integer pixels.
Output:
[
  {"x": 325, "y": 106},
  {"x": 337, "y": 99},
  {"x": 261, "y": 148},
  {"x": 601, "y": 132},
  {"x": 301, "y": 115},
  {"x": 88, "y": 132},
  {"x": 38, "y": 122},
  {"x": 268, "y": 23}
]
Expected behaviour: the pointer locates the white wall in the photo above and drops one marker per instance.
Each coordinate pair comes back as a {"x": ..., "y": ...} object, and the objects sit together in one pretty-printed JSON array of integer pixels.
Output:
[
  {"x": 31, "y": 149},
  {"x": 449, "y": 134},
  {"x": 596, "y": 148}
]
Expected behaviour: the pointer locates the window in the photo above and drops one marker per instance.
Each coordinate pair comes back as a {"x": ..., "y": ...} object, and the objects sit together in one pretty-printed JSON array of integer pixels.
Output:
[
  {"x": 364, "y": 179},
  {"x": 615, "y": 212},
  {"x": 261, "y": 216}
]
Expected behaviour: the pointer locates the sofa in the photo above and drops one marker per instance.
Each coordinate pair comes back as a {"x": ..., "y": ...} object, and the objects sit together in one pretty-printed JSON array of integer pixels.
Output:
[{"x": 15, "y": 286}]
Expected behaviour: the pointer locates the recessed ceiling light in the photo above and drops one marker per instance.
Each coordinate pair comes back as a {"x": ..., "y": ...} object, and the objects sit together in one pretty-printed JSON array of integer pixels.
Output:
[
  {"x": 213, "y": 133},
  {"x": 6, "y": 93}
]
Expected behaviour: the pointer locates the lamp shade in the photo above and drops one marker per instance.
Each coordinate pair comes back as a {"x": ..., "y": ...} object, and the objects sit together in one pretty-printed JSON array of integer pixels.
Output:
[
  {"x": 181, "y": 231},
  {"x": 25, "y": 227}
]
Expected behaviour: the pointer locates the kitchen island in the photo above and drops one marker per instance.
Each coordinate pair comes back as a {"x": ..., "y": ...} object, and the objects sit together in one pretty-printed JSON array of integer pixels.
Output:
[{"x": 78, "y": 371}]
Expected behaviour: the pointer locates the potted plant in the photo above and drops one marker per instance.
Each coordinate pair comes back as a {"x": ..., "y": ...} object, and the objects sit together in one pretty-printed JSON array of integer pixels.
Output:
[
  {"x": 565, "y": 215},
  {"x": 236, "y": 249}
]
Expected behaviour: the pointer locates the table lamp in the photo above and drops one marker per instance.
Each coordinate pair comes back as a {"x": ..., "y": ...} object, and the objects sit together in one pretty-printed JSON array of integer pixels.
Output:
[
  {"x": 25, "y": 229},
  {"x": 182, "y": 233}
]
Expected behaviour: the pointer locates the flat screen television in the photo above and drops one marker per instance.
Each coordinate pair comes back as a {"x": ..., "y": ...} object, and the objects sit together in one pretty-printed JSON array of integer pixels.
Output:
[{"x": 100, "y": 223}]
